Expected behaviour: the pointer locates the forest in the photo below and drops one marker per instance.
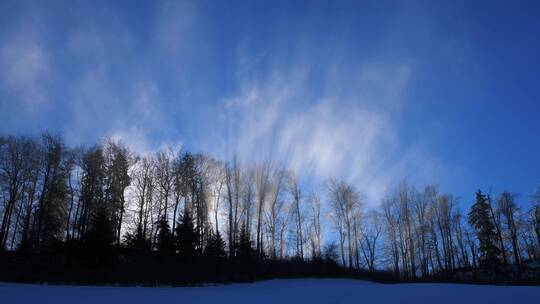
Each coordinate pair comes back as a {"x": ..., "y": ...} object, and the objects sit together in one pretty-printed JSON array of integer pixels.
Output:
[{"x": 105, "y": 214}]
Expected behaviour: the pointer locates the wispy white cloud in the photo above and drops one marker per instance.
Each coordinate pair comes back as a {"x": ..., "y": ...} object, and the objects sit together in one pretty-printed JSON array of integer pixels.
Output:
[
  {"x": 122, "y": 94},
  {"x": 143, "y": 119},
  {"x": 102, "y": 107},
  {"x": 115, "y": 94},
  {"x": 24, "y": 73},
  {"x": 348, "y": 130},
  {"x": 175, "y": 27}
]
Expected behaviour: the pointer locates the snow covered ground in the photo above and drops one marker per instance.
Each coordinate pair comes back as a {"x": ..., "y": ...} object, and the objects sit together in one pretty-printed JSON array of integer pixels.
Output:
[{"x": 310, "y": 291}]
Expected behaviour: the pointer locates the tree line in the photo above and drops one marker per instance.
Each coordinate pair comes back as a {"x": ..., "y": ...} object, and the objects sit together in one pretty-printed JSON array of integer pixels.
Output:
[{"x": 105, "y": 202}]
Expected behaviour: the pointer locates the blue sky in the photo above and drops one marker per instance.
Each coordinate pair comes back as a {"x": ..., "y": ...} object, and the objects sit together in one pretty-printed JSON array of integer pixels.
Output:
[{"x": 369, "y": 91}]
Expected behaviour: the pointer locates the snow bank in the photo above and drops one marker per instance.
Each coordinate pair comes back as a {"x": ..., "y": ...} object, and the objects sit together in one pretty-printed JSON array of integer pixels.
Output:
[{"x": 310, "y": 291}]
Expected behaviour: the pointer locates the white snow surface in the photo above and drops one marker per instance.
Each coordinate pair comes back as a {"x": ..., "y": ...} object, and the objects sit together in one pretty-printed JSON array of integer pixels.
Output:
[{"x": 310, "y": 291}]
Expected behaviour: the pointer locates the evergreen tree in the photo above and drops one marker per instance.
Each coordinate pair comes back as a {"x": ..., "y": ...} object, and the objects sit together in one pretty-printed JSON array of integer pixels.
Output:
[
  {"x": 100, "y": 237},
  {"x": 480, "y": 220},
  {"x": 137, "y": 241},
  {"x": 245, "y": 256},
  {"x": 165, "y": 242},
  {"x": 186, "y": 236},
  {"x": 215, "y": 249},
  {"x": 244, "y": 248}
]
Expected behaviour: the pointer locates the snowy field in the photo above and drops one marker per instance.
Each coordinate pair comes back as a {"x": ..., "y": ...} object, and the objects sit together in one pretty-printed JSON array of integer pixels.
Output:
[{"x": 311, "y": 291}]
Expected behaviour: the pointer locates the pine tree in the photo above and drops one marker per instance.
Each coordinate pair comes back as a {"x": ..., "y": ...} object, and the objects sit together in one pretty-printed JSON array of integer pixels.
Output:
[
  {"x": 480, "y": 219},
  {"x": 186, "y": 236},
  {"x": 245, "y": 256},
  {"x": 165, "y": 242},
  {"x": 137, "y": 240},
  {"x": 99, "y": 239},
  {"x": 244, "y": 248},
  {"x": 215, "y": 249}
]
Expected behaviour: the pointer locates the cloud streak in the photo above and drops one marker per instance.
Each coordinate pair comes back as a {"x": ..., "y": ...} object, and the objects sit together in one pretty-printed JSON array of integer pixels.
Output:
[
  {"x": 348, "y": 131},
  {"x": 25, "y": 72}
]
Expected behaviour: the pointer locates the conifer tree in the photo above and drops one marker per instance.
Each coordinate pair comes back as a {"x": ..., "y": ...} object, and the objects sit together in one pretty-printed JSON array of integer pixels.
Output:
[
  {"x": 480, "y": 220},
  {"x": 186, "y": 236},
  {"x": 215, "y": 249},
  {"x": 136, "y": 240},
  {"x": 165, "y": 242},
  {"x": 244, "y": 248},
  {"x": 100, "y": 237}
]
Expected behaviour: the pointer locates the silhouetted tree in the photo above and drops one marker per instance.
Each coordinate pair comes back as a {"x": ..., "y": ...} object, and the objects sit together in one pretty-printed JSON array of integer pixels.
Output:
[
  {"x": 12, "y": 163},
  {"x": 330, "y": 253},
  {"x": 315, "y": 234},
  {"x": 275, "y": 208},
  {"x": 137, "y": 240},
  {"x": 346, "y": 203},
  {"x": 508, "y": 208},
  {"x": 165, "y": 241},
  {"x": 535, "y": 215},
  {"x": 100, "y": 237},
  {"x": 186, "y": 236},
  {"x": 215, "y": 248},
  {"x": 480, "y": 219},
  {"x": 143, "y": 188},
  {"x": 368, "y": 242},
  {"x": 245, "y": 255},
  {"x": 497, "y": 223},
  {"x": 92, "y": 188},
  {"x": 51, "y": 213},
  {"x": 262, "y": 176},
  {"x": 297, "y": 211},
  {"x": 116, "y": 180},
  {"x": 233, "y": 185}
]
